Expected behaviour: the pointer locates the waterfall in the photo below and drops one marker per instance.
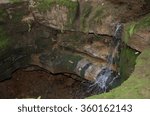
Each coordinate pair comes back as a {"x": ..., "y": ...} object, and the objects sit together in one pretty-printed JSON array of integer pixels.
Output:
[{"x": 108, "y": 76}]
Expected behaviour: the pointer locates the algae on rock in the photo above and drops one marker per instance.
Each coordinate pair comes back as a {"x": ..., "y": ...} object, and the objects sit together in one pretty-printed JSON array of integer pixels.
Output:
[
  {"x": 136, "y": 33},
  {"x": 127, "y": 62},
  {"x": 137, "y": 86},
  {"x": 4, "y": 39},
  {"x": 70, "y": 11}
]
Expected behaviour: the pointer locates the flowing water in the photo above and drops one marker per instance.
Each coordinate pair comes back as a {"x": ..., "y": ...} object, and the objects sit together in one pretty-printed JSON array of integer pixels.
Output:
[{"x": 109, "y": 76}]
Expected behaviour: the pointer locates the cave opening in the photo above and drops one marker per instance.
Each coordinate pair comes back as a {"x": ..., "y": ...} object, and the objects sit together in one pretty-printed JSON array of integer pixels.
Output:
[{"x": 36, "y": 82}]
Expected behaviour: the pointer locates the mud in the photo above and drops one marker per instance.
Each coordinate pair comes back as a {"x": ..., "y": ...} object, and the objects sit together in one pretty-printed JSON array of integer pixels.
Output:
[{"x": 34, "y": 84}]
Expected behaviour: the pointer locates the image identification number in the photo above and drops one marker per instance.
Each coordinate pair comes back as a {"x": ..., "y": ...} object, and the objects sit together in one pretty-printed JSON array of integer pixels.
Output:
[{"x": 106, "y": 108}]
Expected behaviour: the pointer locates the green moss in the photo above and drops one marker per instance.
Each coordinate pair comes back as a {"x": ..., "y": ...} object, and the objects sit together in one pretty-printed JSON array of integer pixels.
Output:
[
  {"x": 69, "y": 61},
  {"x": 127, "y": 62},
  {"x": 129, "y": 31},
  {"x": 15, "y": 1},
  {"x": 87, "y": 8},
  {"x": 73, "y": 40},
  {"x": 98, "y": 37},
  {"x": 17, "y": 17},
  {"x": 3, "y": 15},
  {"x": 4, "y": 39},
  {"x": 44, "y": 5},
  {"x": 62, "y": 61},
  {"x": 144, "y": 22},
  {"x": 92, "y": 17},
  {"x": 97, "y": 15},
  {"x": 135, "y": 26},
  {"x": 137, "y": 86}
]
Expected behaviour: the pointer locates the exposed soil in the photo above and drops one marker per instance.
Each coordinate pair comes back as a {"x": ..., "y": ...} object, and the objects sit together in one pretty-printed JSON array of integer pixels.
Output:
[{"x": 32, "y": 84}]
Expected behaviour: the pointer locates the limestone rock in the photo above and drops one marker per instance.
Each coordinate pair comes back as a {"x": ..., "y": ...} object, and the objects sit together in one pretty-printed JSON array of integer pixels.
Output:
[{"x": 98, "y": 16}]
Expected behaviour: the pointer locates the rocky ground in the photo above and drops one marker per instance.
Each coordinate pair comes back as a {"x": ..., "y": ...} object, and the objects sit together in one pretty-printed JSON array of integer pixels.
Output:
[{"x": 35, "y": 84}]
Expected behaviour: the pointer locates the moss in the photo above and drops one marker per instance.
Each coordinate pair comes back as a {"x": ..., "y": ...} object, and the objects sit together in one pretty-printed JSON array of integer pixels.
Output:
[
  {"x": 3, "y": 15},
  {"x": 93, "y": 18},
  {"x": 127, "y": 62},
  {"x": 4, "y": 39},
  {"x": 97, "y": 37},
  {"x": 44, "y": 5},
  {"x": 129, "y": 31},
  {"x": 15, "y": 1},
  {"x": 143, "y": 23},
  {"x": 17, "y": 17},
  {"x": 73, "y": 40},
  {"x": 61, "y": 61},
  {"x": 137, "y": 86},
  {"x": 142, "y": 59},
  {"x": 97, "y": 15},
  {"x": 69, "y": 61},
  {"x": 135, "y": 26},
  {"x": 87, "y": 8}
]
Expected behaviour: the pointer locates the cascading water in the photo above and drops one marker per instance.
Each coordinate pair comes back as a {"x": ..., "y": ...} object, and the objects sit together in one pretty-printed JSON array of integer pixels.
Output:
[{"x": 109, "y": 75}]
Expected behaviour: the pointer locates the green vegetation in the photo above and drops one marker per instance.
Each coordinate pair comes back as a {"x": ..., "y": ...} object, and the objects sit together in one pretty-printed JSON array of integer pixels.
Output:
[
  {"x": 137, "y": 86},
  {"x": 44, "y": 5},
  {"x": 63, "y": 61},
  {"x": 144, "y": 22},
  {"x": 17, "y": 17},
  {"x": 91, "y": 16},
  {"x": 97, "y": 15},
  {"x": 69, "y": 61},
  {"x": 3, "y": 15},
  {"x": 15, "y": 1},
  {"x": 3, "y": 39},
  {"x": 127, "y": 62},
  {"x": 133, "y": 27},
  {"x": 73, "y": 40},
  {"x": 87, "y": 8},
  {"x": 129, "y": 31}
]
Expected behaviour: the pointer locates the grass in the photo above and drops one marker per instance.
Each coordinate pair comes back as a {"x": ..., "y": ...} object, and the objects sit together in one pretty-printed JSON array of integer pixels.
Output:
[
  {"x": 144, "y": 22},
  {"x": 134, "y": 27},
  {"x": 138, "y": 84},
  {"x": 96, "y": 16},
  {"x": 129, "y": 31},
  {"x": 87, "y": 8},
  {"x": 91, "y": 16}
]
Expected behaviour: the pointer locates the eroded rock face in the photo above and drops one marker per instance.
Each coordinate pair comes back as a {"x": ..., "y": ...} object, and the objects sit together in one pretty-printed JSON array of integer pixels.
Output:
[
  {"x": 50, "y": 34},
  {"x": 137, "y": 86},
  {"x": 98, "y": 16},
  {"x": 136, "y": 33},
  {"x": 84, "y": 55}
]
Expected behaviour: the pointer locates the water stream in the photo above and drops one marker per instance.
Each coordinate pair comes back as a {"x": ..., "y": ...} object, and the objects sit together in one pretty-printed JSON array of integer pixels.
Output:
[{"x": 109, "y": 75}]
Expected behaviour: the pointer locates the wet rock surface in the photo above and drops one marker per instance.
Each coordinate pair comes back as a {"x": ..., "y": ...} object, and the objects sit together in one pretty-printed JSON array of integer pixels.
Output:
[
  {"x": 81, "y": 40},
  {"x": 53, "y": 50},
  {"x": 137, "y": 86}
]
